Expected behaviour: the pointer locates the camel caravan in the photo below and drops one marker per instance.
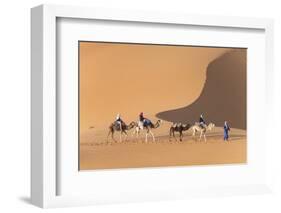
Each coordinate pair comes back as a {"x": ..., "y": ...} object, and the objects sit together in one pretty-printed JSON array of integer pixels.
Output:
[{"x": 147, "y": 126}]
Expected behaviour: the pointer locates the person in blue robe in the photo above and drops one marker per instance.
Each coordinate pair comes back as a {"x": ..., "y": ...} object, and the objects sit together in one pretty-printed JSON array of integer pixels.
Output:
[{"x": 226, "y": 129}]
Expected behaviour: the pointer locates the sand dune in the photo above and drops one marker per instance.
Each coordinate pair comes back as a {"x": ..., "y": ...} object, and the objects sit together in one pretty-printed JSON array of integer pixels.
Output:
[
  {"x": 130, "y": 78},
  {"x": 223, "y": 96}
]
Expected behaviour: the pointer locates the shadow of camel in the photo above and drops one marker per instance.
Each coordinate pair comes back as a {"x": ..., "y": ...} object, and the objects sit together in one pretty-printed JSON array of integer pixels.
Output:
[{"x": 223, "y": 96}]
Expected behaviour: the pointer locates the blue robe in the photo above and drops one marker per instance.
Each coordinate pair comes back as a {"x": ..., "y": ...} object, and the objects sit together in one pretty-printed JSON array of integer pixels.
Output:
[
  {"x": 226, "y": 130},
  {"x": 146, "y": 122}
]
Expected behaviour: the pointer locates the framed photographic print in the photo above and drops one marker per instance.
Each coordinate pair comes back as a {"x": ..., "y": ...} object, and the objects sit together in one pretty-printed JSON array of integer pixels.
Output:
[
  {"x": 130, "y": 106},
  {"x": 126, "y": 89}
]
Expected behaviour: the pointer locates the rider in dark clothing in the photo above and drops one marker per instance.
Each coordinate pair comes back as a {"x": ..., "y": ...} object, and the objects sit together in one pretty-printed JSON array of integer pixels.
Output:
[
  {"x": 141, "y": 117},
  {"x": 202, "y": 122},
  {"x": 144, "y": 120},
  {"x": 119, "y": 121}
]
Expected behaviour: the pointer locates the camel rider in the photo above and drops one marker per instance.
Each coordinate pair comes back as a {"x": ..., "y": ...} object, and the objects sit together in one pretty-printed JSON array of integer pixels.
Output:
[
  {"x": 141, "y": 117},
  {"x": 119, "y": 121},
  {"x": 202, "y": 122},
  {"x": 144, "y": 120}
]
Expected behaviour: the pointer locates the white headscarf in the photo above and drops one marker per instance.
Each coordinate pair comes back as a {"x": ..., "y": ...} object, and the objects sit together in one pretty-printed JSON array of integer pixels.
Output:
[{"x": 117, "y": 116}]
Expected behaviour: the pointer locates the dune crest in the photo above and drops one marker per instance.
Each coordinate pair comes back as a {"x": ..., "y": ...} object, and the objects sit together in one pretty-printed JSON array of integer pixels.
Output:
[{"x": 223, "y": 96}]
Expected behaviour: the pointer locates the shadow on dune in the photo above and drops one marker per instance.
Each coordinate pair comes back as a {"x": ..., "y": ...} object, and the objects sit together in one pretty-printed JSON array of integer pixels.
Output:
[{"x": 223, "y": 96}]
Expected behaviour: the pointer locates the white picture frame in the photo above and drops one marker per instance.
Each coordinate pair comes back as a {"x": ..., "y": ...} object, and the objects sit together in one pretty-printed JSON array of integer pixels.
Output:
[{"x": 44, "y": 153}]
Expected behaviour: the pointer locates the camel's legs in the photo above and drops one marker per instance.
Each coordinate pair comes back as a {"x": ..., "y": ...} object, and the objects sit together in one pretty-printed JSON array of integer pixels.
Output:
[
  {"x": 174, "y": 135},
  {"x": 146, "y": 134},
  {"x": 152, "y": 136},
  {"x": 120, "y": 139},
  {"x": 200, "y": 136},
  {"x": 138, "y": 134},
  {"x": 205, "y": 137},
  {"x": 193, "y": 133},
  {"x": 113, "y": 137},
  {"x": 180, "y": 135},
  {"x": 134, "y": 135},
  {"x": 126, "y": 135},
  {"x": 121, "y": 132},
  {"x": 172, "y": 132},
  {"x": 146, "y": 137}
]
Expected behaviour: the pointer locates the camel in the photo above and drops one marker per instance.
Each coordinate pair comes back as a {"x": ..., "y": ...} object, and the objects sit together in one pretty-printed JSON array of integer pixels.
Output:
[
  {"x": 148, "y": 128},
  {"x": 115, "y": 127},
  {"x": 178, "y": 128},
  {"x": 202, "y": 129}
]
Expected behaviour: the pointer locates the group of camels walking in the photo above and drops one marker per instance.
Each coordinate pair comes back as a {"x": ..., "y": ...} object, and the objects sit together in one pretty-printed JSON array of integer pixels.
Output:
[{"x": 147, "y": 126}]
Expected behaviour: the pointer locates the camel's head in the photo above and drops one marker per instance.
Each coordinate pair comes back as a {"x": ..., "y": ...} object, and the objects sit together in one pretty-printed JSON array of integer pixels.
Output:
[
  {"x": 211, "y": 126},
  {"x": 186, "y": 125},
  {"x": 132, "y": 125},
  {"x": 158, "y": 123}
]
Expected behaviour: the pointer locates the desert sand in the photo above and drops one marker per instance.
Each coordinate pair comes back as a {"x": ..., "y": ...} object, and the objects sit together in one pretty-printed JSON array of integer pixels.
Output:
[
  {"x": 130, "y": 78},
  {"x": 171, "y": 83},
  {"x": 137, "y": 153}
]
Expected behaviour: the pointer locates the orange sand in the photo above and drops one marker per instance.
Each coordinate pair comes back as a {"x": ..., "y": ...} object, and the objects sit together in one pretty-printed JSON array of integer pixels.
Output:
[
  {"x": 134, "y": 154},
  {"x": 128, "y": 79}
]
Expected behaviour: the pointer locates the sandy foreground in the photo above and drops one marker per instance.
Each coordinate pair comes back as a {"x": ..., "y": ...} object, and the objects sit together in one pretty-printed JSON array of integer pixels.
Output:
[{"x": 134, "y": 153}]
